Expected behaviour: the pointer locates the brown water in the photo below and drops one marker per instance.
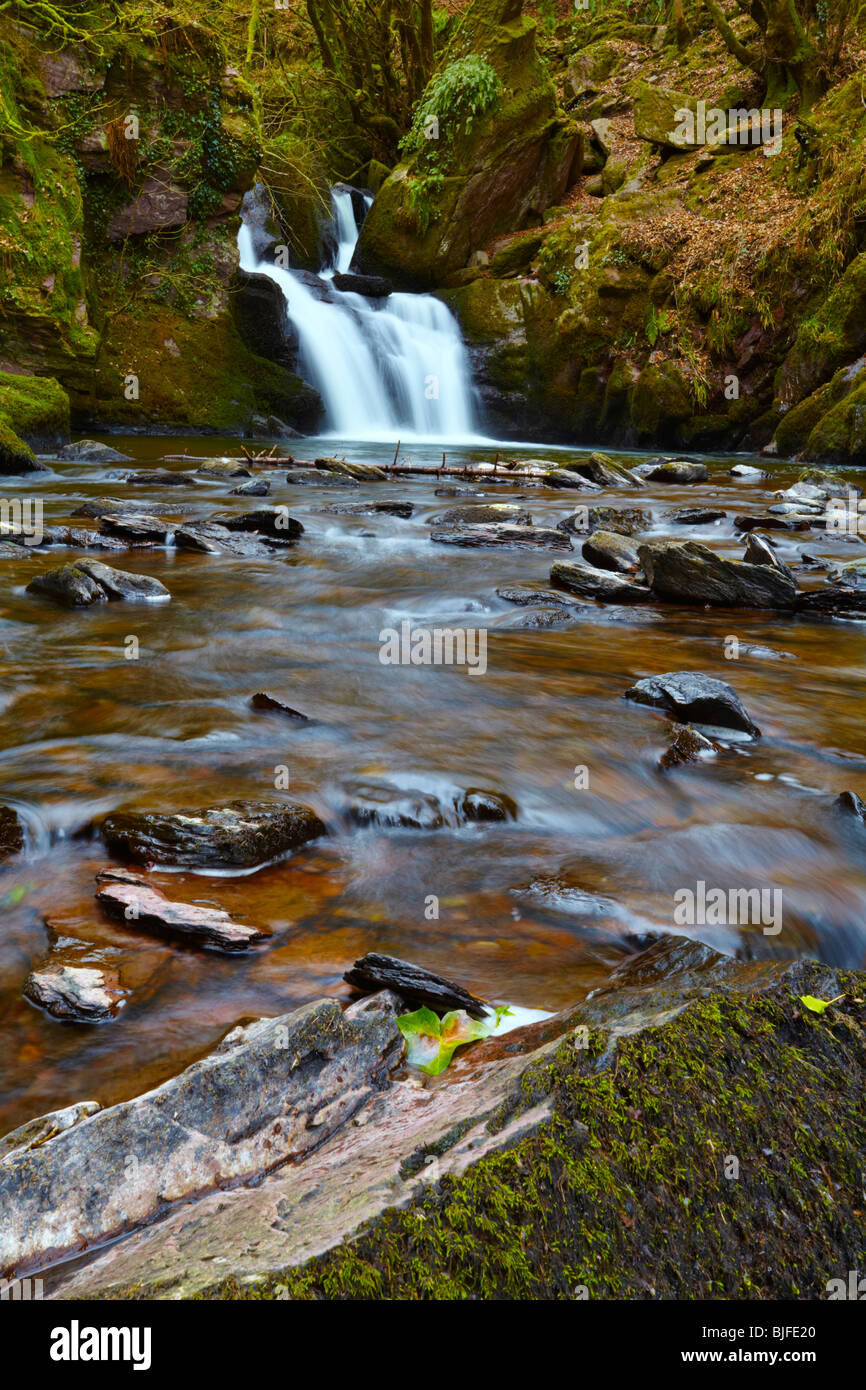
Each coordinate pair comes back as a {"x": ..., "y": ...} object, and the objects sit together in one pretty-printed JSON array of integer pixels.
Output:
[{"x": 83, "y": 730}]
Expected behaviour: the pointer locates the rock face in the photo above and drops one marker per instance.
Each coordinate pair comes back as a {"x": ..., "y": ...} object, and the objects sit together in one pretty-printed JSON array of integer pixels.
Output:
[
  {"x": 308, "y": 1072},
  {"x": 687, "y": 572},
  {"x": 558, "y": 1125},
  {"x": 238, "y": 835},
  {"x": 690, "y": 695},
  {"x": 143, "y": 907},
  {"x": 75, "y": 992}
]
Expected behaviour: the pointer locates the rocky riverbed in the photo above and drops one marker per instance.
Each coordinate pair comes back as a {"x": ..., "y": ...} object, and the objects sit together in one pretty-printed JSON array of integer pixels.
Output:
[{"x": 237, "y": 771}]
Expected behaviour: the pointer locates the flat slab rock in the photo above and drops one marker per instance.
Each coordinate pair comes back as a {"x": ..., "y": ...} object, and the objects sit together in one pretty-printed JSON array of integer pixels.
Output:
[
  {"x": 483, "y": 514},
  {"x": 512, "y": 537},
  {"x": 238, "y": 835},
  {"x": 129, "y": 898},
  {"x": 213, "y": 538},
  {"x": 413, "y": 983},
  {"x": 588, "y": 582},
  {"x": 81, "y": 993},
  {"x": 693, "y": 696},
  {"x": 686, "y": 572},
  {"x": 394, "y": 1148}
]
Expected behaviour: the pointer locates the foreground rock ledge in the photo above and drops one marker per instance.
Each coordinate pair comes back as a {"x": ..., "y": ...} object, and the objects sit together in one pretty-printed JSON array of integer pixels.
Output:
[{"x": 555, "y": 1158}]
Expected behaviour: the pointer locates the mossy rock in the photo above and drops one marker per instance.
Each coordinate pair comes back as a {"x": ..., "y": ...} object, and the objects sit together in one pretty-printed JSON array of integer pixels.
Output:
[
  {"x": 828, "y": 339},
  {"x": 660, "y": 402},
  {"x": 299, "y": 188},
  {"x": 839, "y": 437}
]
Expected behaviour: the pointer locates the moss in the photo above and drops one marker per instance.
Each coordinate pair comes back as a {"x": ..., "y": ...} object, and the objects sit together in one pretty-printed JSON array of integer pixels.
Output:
[
  {"x": 630, "y": 1191},
  {"x": 660, "y": 402},
  {"x": 36, "y": 407},
  {"x": 15, "y": 455},
  {"x": 840, "y": 435}
]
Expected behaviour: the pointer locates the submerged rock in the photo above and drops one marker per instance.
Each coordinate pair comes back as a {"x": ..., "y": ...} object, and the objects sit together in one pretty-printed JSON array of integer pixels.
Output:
[
  {"x": 686, "y": 746},
  {"x": 524, "y": 594},
  {"x": 237, "y": 835},
  {"x": 512, "y": 537},
  {"x": 140, "y": 906},
  {"x": 160, "y": 477},
  {"x": 483, "y": 514},
  {"x": 687, "y": 572},
  {"x": 413, "y": 983},
  {"x": 604, "y": 585},
  {"x": 390, "y": 808},
  {"x": 693, "y": 696},
  {"x": 401, "y": 509},
  {"x": 75, "y": 992},
  {"x": 609, "y": 551},
  {"x": 11, "y": 832}
]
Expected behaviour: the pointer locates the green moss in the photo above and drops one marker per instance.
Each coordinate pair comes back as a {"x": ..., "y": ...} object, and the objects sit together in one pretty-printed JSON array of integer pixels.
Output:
[{"x": 630, "y": 1191}]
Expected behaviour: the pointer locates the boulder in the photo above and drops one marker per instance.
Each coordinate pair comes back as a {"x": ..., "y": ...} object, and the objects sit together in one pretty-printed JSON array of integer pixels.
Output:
[
  {"x": 760, "y": 552},
  {"x": 259, "y": 312},
  {"x": 686, "y": 572},
  {"x": 224, "y": 468},
  {"x": 121, "y": 584},
  {"x": 679, "y": 471},
  {"x": 604, "y": 471},
  {"x": 135, "y": 527},
  {"x": 317, "y": 477},
  {"x": 68, "y": 585},
  {"x": 236, "y": 835},
  {"x": 91, "y": 451},
  {"x": 78, "y": 993},
  {"x": 589, "y": 582},
  {"x": 266, "y": 521},
  {"x": 142, "y": 907},
  {"x": 158, "y": 206},
  {"x": 694, "y": 697},
  {"x": 609, "y": 551},
  {"x": 159, "y": 477},
  {"x": 256, "y": 487},
  {"x": 482, "y": 514},
  {"x": 373, "y": 286}
]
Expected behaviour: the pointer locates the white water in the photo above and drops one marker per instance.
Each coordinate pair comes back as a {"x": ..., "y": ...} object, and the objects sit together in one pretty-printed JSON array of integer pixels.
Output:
[{"x": 385, "y": 368}]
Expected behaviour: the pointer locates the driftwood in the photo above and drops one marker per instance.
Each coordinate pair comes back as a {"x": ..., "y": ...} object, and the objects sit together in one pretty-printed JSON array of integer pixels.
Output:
[{"x": 412, "y": 982}]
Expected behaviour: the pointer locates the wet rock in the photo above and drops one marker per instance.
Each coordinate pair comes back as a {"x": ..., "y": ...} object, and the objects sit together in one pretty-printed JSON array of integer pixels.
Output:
[
  {"x": 624, "y": 521},
  {"x": 211, "y": 538},
  {"x": 520, "y": 537},
  {"x": 116, "y": 506},
  {"x": 478, "y": 805},
  {"x": 539, "y": 619},
  {"x": 483, "y": 514},
  {"x": 604, "y": 471},
  {"x": 770, "y": 523},
  {"x": 686, "y": 746},
  {"x": 256, "y": 487},
  {"x": 224, "y": 468},
  {"x": 412, "y": 983},
  {"x": 91, "y": 451},
  {"x": 849, "y": 804},
  {"x": 160, "y": 477},
  {"x": 75, "y": 992},
  {"x": 687, "y": 572},
  {"x": 390, "y": 808},
  {"x": 136, "y": 528},
  {"x": 524, "y": 594},
  {"x": 678, "y": 471},
  {"x": 142, "y": 907},
  {"x": 609, "y": 551},
  {"x": 588, "y": 582},
  {"x": 317, "y": 477},
  {"x": 401, "y": 509},
  {"x": 271, "y": 1091},
  {"x": 373, "y": 286},
  {"x": 33, "y": 1133},
  {"x": 745, "y": 470},
  {"x": 271, "y": 705},
  {"x": 361, "y": 472},
  {"x": 701, "y": 516},
  {"x": 834, "y": 599},
  {"x": 267, "y": 521},
  {"x": 569, "y": 478},
  {"x": 696, "y": 698},
  {"x": 11, "y": 833},
  {"x": 454, "y": 491},
  {"x": 760, "y": 552},
  {"x": 68, "y": 585},
  {"x": 237, "y": 835},
  {"x": 121, "y": 584},
  {"x": 852, "y": 574}
]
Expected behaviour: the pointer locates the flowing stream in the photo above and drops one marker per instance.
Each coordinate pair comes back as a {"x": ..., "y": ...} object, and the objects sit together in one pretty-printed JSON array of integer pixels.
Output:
[{"x": 385, "y": 368}]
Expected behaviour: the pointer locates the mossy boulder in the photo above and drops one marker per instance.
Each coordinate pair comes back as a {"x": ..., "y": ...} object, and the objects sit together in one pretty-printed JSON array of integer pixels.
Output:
[
  {"x": 835, "y": 334},
  {"x": 34, "y": 411},
  {"x": 656, "y": 117},
  {"x": 660, "y": 402}
]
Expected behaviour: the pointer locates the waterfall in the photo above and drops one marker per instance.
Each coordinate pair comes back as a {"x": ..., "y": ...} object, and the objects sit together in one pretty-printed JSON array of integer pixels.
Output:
[{"x": 394, "y": 367}]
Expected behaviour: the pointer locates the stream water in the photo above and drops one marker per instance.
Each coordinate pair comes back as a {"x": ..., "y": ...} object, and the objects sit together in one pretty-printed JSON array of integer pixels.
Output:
[{"x": 535, "y": 911}]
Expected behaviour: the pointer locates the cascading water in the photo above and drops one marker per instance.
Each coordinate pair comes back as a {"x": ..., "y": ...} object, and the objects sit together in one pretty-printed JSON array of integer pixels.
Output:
[{"x": 385, "y": 368}]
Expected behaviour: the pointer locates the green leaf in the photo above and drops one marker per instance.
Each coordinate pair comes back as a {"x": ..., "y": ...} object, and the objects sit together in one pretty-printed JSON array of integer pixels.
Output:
[
  {"x": 816, "y": 1005},
  {"x": 430, "y": 1044}
]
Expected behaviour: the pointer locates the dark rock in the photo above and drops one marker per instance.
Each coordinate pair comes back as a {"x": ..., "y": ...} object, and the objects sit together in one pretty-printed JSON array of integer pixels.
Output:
[
  {"x": 210, "y": 538},
  {"x": 694, "y": 697},
  {"x": 111, "y": 506},
  {"x": 258, "y": 308},
  {"x": 480, "y": 805},
  {"x": 588, "y": 582},
  {"x": 687, "y": 572},
  {"x": 678, "y": 471},
  {"x": 267, "y": 521},
  {"x": 698, "y": 516},
  {"x": 140, "y": 906},
  {"x": 849, "y": 804},
  {"x": 569, "y": 478},
  {"x": 413, "y": 983},
  {"x": 686, "y": 746},
  {"x": 256, "y": 487},
  {"x": 121, "y": 584},
  {"x": 483, "y": 514},
  {"x": 402, "y": 509},
  {"x": 374, "y": 286},
  {"x": 319, "y": 478},
  {"x": 832, "y": 600},
  {"x": 158, "y": 206},
  {"x": 456, "y": 491},
  {"x": 69, "y": 585},
  {"x": 502, "y": 534},
  {"x": 11, "y": 832},
  {"x": 75, "y": 992},
  {"x": 609, "y": 551},
  {"x": 760, "y": 552},
  {"x": 523, "y": 594},
  {"x": 160, "y": 477},
  {"x": 380, "y": 804},
  {"x": 135, "y": 528},
  {"x": 604, "y": 471},
  {"x": 769, "y": 523},
  {"x": 271, "y": 1091},
  {"x": 91, "y": 451},
  {"x": 238, "y": 835},
  {"x": 624, "y": 521},
  {"x": 262, "y": 701}
]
